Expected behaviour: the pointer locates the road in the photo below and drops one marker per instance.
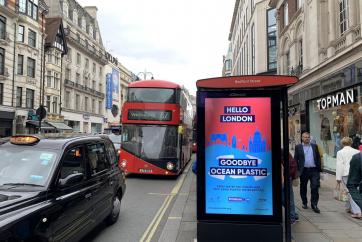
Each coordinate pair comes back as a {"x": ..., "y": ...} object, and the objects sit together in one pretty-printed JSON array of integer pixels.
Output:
[{"x": 144, "y": 208}]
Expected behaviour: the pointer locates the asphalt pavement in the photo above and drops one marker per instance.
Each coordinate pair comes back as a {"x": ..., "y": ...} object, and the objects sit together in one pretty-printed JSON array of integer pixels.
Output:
[{"x": 332, "y": 224}]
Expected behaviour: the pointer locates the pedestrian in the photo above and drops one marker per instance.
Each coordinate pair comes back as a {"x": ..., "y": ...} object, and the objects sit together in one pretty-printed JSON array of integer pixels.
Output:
[
  {"x": 344, "y": 157},
  {"x": 309, "y": 168},
  {"x": 355, "y": 179},
  {"x": 293, "y": 173},
  {"x": 194, "y": 167}
]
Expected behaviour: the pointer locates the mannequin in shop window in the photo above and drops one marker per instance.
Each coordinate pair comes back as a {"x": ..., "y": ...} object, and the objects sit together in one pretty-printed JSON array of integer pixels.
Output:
[
  {"x": 325, "y": 132},
  {"x": 337, "y": 130}
]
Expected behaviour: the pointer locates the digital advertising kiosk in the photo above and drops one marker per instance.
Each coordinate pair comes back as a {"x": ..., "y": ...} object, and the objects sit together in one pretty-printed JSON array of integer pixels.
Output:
[{"x": 241, "y": 122}]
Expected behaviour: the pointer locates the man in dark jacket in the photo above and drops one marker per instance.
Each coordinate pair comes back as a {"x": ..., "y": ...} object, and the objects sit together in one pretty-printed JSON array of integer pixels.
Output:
[
  {"x": 355, "y": 179},
  {"x": 309, "y": 168}
]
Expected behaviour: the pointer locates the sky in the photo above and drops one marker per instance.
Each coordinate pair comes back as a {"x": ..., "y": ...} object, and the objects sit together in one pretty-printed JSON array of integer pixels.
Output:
[{"x": 179, "y": 41}]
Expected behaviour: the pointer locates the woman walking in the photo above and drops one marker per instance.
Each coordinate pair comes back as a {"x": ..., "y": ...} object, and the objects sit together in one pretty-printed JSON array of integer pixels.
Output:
[{"x": 344, "y": 157}]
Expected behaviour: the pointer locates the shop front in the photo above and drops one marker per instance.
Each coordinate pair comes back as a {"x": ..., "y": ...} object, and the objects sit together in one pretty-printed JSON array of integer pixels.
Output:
[
  {"x": 6, "y": 123},
  {"x": 332, "y": 117}
]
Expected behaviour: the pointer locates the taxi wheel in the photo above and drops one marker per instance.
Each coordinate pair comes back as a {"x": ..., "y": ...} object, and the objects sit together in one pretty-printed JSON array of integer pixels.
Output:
[{"x": 116, "y": 208}]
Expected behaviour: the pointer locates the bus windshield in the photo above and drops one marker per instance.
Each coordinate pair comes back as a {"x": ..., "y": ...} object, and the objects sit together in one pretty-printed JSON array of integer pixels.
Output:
[
  {"x": 150, "y": 141},
  {"x": 151, "y": 95}
]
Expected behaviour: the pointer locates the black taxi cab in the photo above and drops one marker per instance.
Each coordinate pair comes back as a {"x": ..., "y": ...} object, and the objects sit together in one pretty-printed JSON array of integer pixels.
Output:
[{"x": 58, "y": 188}]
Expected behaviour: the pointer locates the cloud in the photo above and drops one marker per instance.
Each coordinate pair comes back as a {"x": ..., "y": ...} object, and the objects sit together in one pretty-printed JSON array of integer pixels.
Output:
[{"x": 180, "y": 41}]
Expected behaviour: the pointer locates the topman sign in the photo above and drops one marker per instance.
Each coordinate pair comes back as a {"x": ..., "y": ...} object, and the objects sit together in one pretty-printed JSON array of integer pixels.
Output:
[{"x": 338, "y": 99}]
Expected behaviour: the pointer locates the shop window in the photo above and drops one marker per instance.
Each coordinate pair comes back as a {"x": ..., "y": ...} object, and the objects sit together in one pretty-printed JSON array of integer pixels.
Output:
[{"x": 329, "y": 125}]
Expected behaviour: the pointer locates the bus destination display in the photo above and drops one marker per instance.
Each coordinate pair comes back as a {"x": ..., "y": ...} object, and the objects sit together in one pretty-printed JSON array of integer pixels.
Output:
[{"x": 152, "y": 115}]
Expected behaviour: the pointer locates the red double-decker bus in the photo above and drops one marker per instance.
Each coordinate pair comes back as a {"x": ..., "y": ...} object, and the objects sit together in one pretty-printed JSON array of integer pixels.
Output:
[{"x": 156, "y": 128}]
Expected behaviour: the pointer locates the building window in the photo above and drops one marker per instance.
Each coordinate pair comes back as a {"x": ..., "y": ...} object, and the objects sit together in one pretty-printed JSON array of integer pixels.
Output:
[
  {"x": 300, "y": 50},
  {"x": 56, "y": 80},
  {"x": 93, "y": 105},
  {"x": 19, "y": 96},
  {"x": 29, "y": 7},
  {"x": 272, "y": 40},
  {"x": 32, "y": 38},
  {"x": 20, "y": 65},
  {"x": 67, "y": 74},
  {"x": 21, "y": 32},
  {"x": 31, "y": 67},
  {"x": 287, "y": 63},
  {"x": 100, "y": 107},
  {"x": 21, "y": 6},
  {"x": 49, "y": 78},
  {"x": 77, "y": 102},
  {"x": 29, "y": 98},
  {"x": 86, "y": 63},
  {"x": 77, "y": 78},
  {"x": 67, "y": 99},
  {"x": 78, "y": 59},
  {"x": 1, "y": 93},
  {"x": 69, "y": 54},
  {"x": 94, "y": 67},
  {"x": 48, "y": 103},
  {"x": 55, "y": 104},
  {"x": 2, "y": 27},
  {"x": 70, "y": 13},
  {"x": 253, "y": 49},
  {"x": 65, "y": 9},
  {"x": 94, "y": 85},
  {"x": 57, "y": 58},
  {"x": 100, "y": 72},
  {"x": 286, "y": 14},
  {"x": 343, "y": 18},
  {"x": 86, "y": 104},
  {"x": 2, "y": 61}
]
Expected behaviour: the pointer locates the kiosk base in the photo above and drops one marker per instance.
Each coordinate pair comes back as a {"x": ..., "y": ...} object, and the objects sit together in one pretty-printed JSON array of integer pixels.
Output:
[{"x": 209, "y": 232}]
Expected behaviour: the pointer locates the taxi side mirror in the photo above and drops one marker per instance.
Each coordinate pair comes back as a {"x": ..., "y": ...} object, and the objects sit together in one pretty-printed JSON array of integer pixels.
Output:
[{"x": 71, "y": 180}]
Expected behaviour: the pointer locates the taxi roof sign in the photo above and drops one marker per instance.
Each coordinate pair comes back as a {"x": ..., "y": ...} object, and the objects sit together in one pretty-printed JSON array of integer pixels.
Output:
[{"x": 24, "y": 140}]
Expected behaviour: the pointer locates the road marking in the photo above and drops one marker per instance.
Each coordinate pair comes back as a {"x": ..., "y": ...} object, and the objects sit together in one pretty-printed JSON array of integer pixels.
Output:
[
  {"x": 151, "y": 229},
  {"x": 175, "y": 218},
  {"x": 159, "y": 194}
]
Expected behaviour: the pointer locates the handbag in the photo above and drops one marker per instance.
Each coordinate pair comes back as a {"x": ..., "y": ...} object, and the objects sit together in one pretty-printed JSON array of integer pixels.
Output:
[{"x": 340, "y": 194}]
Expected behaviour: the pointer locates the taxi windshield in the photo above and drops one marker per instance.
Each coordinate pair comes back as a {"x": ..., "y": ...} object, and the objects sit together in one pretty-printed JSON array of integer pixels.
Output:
[{"x": 26, "y": 166}]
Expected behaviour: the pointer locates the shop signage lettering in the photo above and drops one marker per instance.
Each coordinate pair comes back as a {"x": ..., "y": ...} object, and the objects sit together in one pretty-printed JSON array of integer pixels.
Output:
[
  {"x": 153, "y": 115},
  {"x": 338, "y": 99}
]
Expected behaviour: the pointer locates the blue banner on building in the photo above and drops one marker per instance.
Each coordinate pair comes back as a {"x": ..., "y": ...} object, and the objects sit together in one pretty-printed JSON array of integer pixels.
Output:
[{"x": 109, "y": 91}]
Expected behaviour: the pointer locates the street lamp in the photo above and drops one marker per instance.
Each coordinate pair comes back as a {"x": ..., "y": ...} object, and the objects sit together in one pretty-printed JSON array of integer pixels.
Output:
[{"x": 145, "y": 73}]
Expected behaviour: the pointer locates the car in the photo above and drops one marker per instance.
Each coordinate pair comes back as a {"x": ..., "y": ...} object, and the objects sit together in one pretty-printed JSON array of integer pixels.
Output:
[
  {"x": 58, "y": 188},
  {"x": 116, "y": 140}
]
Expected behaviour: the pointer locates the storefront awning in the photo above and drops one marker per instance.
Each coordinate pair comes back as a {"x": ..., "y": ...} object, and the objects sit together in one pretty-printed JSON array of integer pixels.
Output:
[
  {"x": 60, "y": 126},
  {"x": 36, "y": 124}
]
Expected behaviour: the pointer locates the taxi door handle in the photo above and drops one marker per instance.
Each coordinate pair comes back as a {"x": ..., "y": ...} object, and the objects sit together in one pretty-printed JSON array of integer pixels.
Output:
[{"x": 88, "y": 195}]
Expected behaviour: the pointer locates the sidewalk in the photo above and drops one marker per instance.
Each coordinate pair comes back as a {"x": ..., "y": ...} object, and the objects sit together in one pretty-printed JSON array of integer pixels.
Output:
[{"x": 332, "y": 224}]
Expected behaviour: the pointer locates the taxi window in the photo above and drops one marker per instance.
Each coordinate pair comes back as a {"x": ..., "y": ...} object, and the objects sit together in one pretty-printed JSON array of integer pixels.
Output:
[
  {"x": 73, "y": 162},
  {"x": 26, "y": 165},
  {"x": 97, "y": 158},
  {"x": 111, "y": 152}
]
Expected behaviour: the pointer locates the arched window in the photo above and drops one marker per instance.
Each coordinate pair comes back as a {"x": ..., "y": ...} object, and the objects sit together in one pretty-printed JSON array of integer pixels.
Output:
[{"x": 286, "y": 14}]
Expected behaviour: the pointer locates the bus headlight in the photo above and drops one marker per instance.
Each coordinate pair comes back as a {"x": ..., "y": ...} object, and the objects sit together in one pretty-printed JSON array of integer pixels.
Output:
[
  {"x": 170, "y": 166},
  {"x": 123, "y": 163}
]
